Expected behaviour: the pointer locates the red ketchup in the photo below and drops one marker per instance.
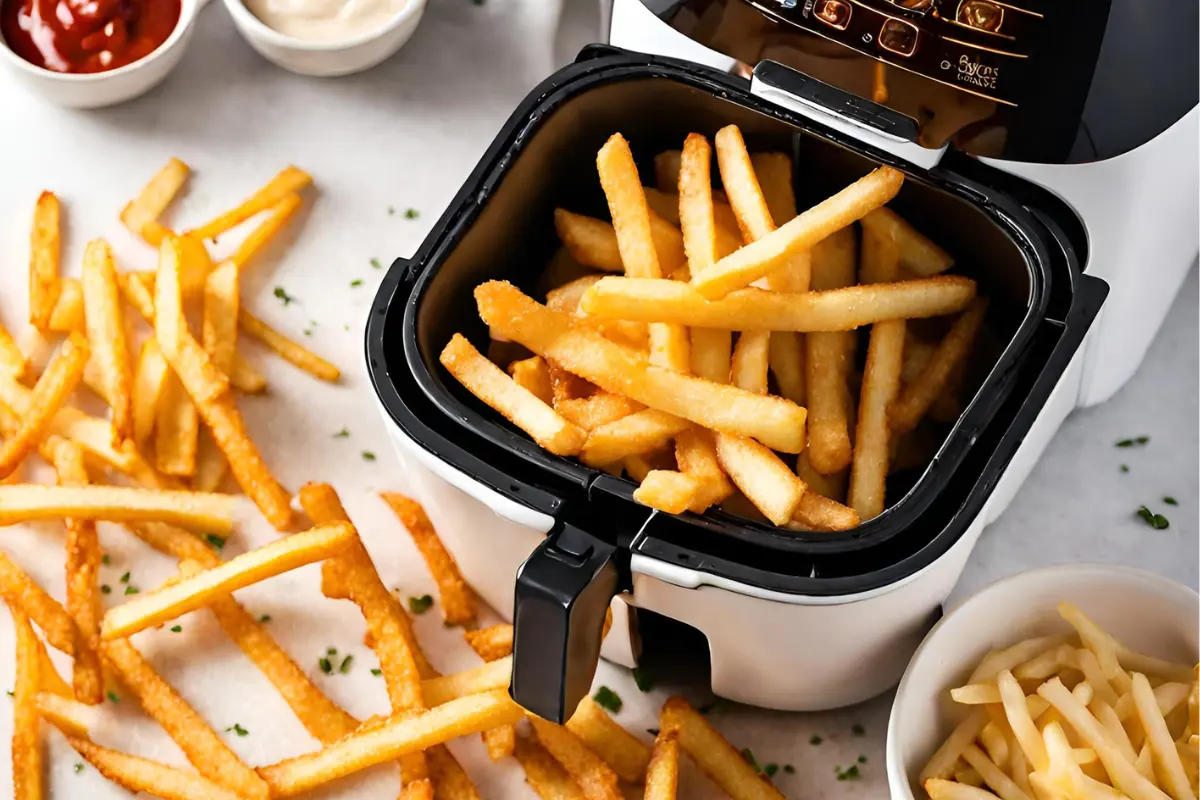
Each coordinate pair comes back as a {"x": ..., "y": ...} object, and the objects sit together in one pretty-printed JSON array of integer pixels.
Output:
[{"x": 86, "y": 35}]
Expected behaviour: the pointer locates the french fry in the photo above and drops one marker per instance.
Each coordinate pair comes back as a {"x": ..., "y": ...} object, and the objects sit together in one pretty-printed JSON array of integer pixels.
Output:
[
  {"x": 949, "y": 790},
  {"x": 56, "y": 384},
  {"x": 189, "y": 593},
  {"x": 832, "y": 486},
  {"x": 28, "y": 782},
  {"x": 916, "y": 398},
  {"x": 1094, "y": 677},
  {"x": 786, "y": 360},
  {"x": 976, "y": 694},
  {"x": 593, "y": 242},
  {"x": 262, "y": 235},
  {"x": 715, "y": 756},
  {"x": 662, "y": 775},
  {"x": 149, "y": 380},
  {"x": 70, "y": 717},
  {"x": 48, "y": 678},
  {"x": 288, "y": 349},
  {"x": 534, "y": 375},
  {"x": 941, "y": 764},
  {"x": 199, "y": 742},
  {"x": 711, "y": 353},
  {"x": 221, "y": 306},
  {"x": 993, "y": 738},
  {"x": 1125, "y": 776},
  {"x": 774, "y": 174},
  {"x": 212, "y": 513},
  {"x": 667, "y": 168},
  {"x": 487, "y": 382},
  {"x": 142, "y": 775},
  {"x": 1096, "y": 639},
  {"x": 288, "y": 181},
  {"x": 817, "y": 513},
  {"x": 634, "y": 434},
  {"x": 488, "y": 677},
  {"x": 397, "y": 736},
  {"x": 1012, "y": 657},
  {"x": 774, "y": 421},
  {"x": 768, "y": 483},
  {"x": 597, "y": 780},
  {"x": 106, "y": 334},
  {"x": 205, "y": 384},
  {"x": 993, "y": 775},
  {"x": 154, "y": 198},
  {"x": 696, "y": 455},
  {"x": 880, "y": 258},
  {"x": 12, "y": 360},
  {"x": 881, "y": 383},
  {"x": 829, "y": 357},
  {"x": 1175, "y": 780},
  {"x": 450, "y": 782},
  {"x": 751, "y": 356},
  {"x": 491, "y": 643},
  {"x": 545, "y": 775},
  {"x": 618, "y": 748},
  {"x": 177, "y": 427},
  {"x": 83, "y": 568},
  {"x": 1108, "y": 718},
  {"x": 22, "y": 594},
  {"x": 68, "y": 314},
  {"x": 602, "y": 408},
  {"x": 738, "y": 175},
  {"x": 44, "y": 245},
  {"x": 918, "y": 254},
  {"x": 457, "y": 600},
  {"x": 1019, "y": 720},
  {"x": 669, "y": 491},
  {"x": 757, "y": 309},
  {"x": 773, "y": 251}
]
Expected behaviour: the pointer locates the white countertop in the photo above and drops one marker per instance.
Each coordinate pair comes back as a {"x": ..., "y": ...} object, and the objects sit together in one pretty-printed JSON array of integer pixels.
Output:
[{"x": 404, "y": 136}]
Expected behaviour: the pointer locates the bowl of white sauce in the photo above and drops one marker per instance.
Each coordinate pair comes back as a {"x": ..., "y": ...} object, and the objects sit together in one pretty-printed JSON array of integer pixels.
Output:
[{"x": 326, "y": 37}]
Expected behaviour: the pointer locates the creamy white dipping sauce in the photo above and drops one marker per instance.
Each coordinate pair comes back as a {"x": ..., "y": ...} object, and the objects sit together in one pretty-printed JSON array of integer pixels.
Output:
[{"x": 326, "y": 20}]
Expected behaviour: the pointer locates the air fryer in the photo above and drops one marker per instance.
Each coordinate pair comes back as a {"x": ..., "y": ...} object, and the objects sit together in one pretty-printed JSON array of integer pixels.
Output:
[{"x": 500, "y": 226}]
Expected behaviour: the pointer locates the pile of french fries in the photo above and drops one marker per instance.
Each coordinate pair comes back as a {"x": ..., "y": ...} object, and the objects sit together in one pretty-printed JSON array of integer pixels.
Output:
[
  {"x": 641, "y": 373},
  {"x": 1072, "y": 717},
  {"x": 154, "y": 465}
]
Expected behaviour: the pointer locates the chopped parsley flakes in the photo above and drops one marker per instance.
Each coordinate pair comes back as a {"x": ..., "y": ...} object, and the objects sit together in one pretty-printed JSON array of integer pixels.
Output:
[
  {"x": 356, "y": 283},
  {"x": 815, "y": 740},
  {"x": 131, "y": 590},
  {"x": 125, "y": 578},
  {"x": 850, "y": 773},
  {"x": 1171, "y": 501},
  {"x": 1137, "y": 441},
  {"x": 644, "y": 682},
  {"x": 368, "y": 455},
  {"x": 325, "y": 665},
  {"x": 214, "y": 541},
  {"x": 344, "y": 433},
  {"x": 412, "y": 213},
  {"x": 1156, "y": 521},
  {"x": 105, "y": 589},
  {"x": 112, "y": 697},
  {"x": 376, "y": 263},
  {"x": 78, "y": 767},
  {"x": 176, "y": 628},
  {"x": 265, "y": 618},
  {"x": 376, "y": 671},
  {"x": 858, "y": 730},
  {"x": 346, "y": 662},
  {"x": 419, "y": 605},
  {"x": 238, "y": 729},
  {"x": 284, "y": 296},
  {"x": 607, "y": 699}
]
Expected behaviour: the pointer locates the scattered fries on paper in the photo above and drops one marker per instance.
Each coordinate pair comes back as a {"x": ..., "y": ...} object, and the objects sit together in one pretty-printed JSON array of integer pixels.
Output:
[{"x": 1043, "y": 723}]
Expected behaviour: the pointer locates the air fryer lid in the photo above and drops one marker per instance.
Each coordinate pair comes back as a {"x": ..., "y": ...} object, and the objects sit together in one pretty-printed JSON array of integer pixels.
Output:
[{"x": 500, "y": 226}]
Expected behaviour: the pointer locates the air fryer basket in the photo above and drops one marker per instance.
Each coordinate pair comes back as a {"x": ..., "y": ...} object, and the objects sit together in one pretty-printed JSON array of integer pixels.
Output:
[{"x": 551, "y": 163}]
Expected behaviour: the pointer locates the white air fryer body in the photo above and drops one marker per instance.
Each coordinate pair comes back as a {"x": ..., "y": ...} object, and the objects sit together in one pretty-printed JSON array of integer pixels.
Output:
[{"x": 1139, "y": 210}]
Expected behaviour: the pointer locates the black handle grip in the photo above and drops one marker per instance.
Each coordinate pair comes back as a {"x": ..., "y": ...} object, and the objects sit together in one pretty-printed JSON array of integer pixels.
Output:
[{"x": 563, "y": 591}]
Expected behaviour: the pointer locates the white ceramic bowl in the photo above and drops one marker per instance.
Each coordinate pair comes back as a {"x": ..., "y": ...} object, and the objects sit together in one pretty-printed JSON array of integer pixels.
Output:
[
  {"x": 98, "y": 89},
  {"x": 1148, "y": 612},
  {"x": 326, "y": 59}
]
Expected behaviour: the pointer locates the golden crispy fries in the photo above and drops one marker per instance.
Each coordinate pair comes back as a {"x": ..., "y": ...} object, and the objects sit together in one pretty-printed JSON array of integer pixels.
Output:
[
  {"x": 830, "y": 486},
  {"x": 288, "y": 181},
  {"x": 1019, "y": 720},
  {"x": 399, "y": 735},
  {"x": 48, "y": 677},
  {"x": 1124, "y": 775},
  {"x": 68, "y": 716},
  {"x": 1098, "y": 641},
  {"x": 711, "y": 355},
  {"x": 941, "y": 765},
  {"x": 94, "y": 435},
  {"x": 83, "y": 567},
  {"x": 597, "y": 780},
  {"x": 138, "y": 290},
  {"x": 518, "y": 405},
  {"x": 662, "y": 775},
  {"x": 457, "y": 599},
  {"x": 12, "y": 360},
  {"x": 106, "y": 334},
  {"x": 199, "y": 742},
  {"x": 817, "y": 513},
  {"x": 713, "y": 754},
  {"x": 881, "y": 383},
  {"x": 919, "y": 395},
  {"x": 221, "y": 306},
  {"x": 262, "y": 235},
  {"x": 24, "y": 595},
  {"x": 765, "y": 480},
  {"x": 450, "y": 782},
  {"x": 1012, "y": 657},
  {"x": 665, "y": 204},
  {"x": 26, "y": 749},
  {"x": 880, "y": 258},
  {"x": 696, "y": 455},
  {"x": 776, "y": 422},
  {"x": 68, "y": 314},
  {"x": 44, "y": 244},
  {"x": 500, "y": 742},
  {"x": 533, "y": 374},
  {"x": 212, "y": 513},
  {"x": 1166, "y": 757},
  {"x": 757, "y": 309},
  {"x": 993, "y": 775},
  {"x": 1094, "y": 677},
  {"x": 787, "y": 364},
  {"x": 829, "y": 357},
  {"x": 669, "y": 491},
  {"x": 545, "y": 775},
  {"x": 485, "y": 678},
  {"x": 631, "y": 435},
  {"x": 918, "y": 254},
  {"x": 142, "y": 775},
  {"x": 618, "y": 748},
  {"x": 774, "y": 174},
  {"x": 154, "y": 198},
  {"x": 593, "y": 242},
  {"x": 56, "y": 384},
  {"x": 177, "y": 427},
  {"x": 491, "y": 643},
  {"x": 204, "y": 383},
  {"x": 976, "y": 694},
  {"x": 189, "y": 593},
  {"x": 667, "y": 168},
  {"x": 148, "y": 382},
  {"x": 288, "y": 349},
  {"x": 602, "y": 408},
  {"x": 949, "y": 790},
  {"x": 773, "y": 251},
  {"x": 750, "y": 360}
]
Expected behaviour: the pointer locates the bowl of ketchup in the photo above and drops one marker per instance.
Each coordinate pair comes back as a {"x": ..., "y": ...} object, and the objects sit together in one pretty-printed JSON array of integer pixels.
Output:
[{"x": 91, "y": 53}]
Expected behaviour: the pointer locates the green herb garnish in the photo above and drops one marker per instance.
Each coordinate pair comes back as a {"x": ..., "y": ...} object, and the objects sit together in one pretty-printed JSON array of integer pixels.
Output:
[
  {"x": 105, "y": 560},
  {"x": 1156, "y": 521},
  {"x": 346, "y": 662},
  {"x": 368, "y": 455},
  {"x": 78, "y": 767},
  {"x": 376, "y": 263},
  {"x": 356, "y": 283},
  {"x": 419, "y": 605},
  {"x": 344, "y": 433},
  {"x": 376, "y": 671},
  {"x": 265, "y": 618},
  {"x": 770, "y": 769},
  {"x": 1171, "y": 501},
  {"x": 131, "y": 590},
  {"x": 238, "y": 729},
  {"x": 214, "y": 541},
  {"x": 1137, "y": 441},
  {"x": 862, "y": 759},
  {"x": 176, "y": 628},
  {"x": 325, "y": 666},
  {"x": 850, "y": 773},
  {"x": 858, "y": 730},
  {"x": 607, "y": 699},
  {"x": 815, "y": 740},
  {"x": 653, "y": 731},
  {"x": 331, "y": 651},
  {"x": 644, "y": 682},
  {"x": 105, "y": 589},
  {"x": 391, "y": 210},
  {"x": 412, "y": 213},
  {"x": 125, "y": 578},
  {"x": 748, "y": 756},
  {"x": 9, "y": 692},
  {"x": 112, "y": 697},
  {"x": 789, "y": 769},
  {"x": 1124, "y": 468},
  {"x": 284, "y": 296}
]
